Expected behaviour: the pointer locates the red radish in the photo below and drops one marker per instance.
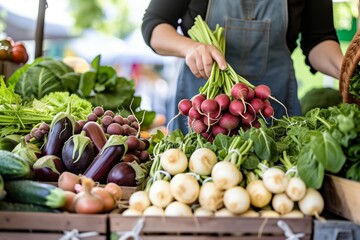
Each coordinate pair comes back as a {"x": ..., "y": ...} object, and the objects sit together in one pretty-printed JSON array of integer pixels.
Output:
[
  {"x": 223, "y": 100},
  {"x": 240, "y": 91},
  {"x": 229, "y": 121},
  {"x": 209, "y": 120},
  {"x": 199, "y": 126},
  {"x": 217, "y": 129},
  {"x": 184, "y": 106},
  {"x": 248, "y": 119},
  {"x": 194, "y": 114},
  {"x": 256, "y": 105},
  {"x": 236, "y": 108},
  {"x": 209, "y": 106},
  {"x": 264, "y": 92},
  {"x": 250, "y": 95},
  {"x": 197, "y": 100},
  {"x": 268, "y": 111}
]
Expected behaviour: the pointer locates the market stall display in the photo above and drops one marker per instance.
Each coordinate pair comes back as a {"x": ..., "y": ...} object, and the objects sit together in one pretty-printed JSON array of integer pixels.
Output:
[{"x": 78, "y": 158}]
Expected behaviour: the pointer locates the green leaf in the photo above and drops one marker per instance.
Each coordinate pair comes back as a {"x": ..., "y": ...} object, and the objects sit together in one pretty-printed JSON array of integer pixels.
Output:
[
  {"x": 353, "y": 172},
  {"x": 70, "y": 81},
  {"x": 310, "y": 170},
  {"x": 327, "y": 151},
  {"x": 87, "y": 83},
  {"x": 264, "y": 145}
]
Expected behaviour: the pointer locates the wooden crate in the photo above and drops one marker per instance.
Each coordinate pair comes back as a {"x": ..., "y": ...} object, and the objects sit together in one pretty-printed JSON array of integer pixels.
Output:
[
  {"x": 342, "y": 197},
  {"x": 48, "y": 226},
  {"x": 201, "y": 228}
]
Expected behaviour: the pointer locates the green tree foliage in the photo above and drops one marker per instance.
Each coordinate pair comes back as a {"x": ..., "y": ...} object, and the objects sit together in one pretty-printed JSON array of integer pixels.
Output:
[{"x": 107, "y": 16}]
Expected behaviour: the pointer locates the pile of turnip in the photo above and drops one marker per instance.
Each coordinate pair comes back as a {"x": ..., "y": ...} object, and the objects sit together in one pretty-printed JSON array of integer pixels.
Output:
[
  {"x": 227, "y": 102},
  {"x": 203, "y": 185}
]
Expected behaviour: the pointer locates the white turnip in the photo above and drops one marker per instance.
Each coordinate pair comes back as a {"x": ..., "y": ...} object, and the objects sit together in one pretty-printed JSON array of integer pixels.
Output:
[
  {"x": 223, "y": 212},
  {"x": 282, "y": 204},
  {"x": 312, "y": 203},
  {"x": 153, "y": 211},
  {"x": 211, "y": 197},
  {"x": 202, "y": 161},
  {"x": 275, "y": 180},
  {"x": 174, "y": 161},
  {"x": 184, "y": 188},
  {"x": 260, "y": 196},
  {"x": 178, "y": 209},
  {"x": 139, "y": 201},
  {"x": 236, "y": 200},
  {"x": 160, "y": 194},
  {"x": 225, "y": 175},
  {"x": 202, "y": 212},
  {"x": 296, "y": 189}
]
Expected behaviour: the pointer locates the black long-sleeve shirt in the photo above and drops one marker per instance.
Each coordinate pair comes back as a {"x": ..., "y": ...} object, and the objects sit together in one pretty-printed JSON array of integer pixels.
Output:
[{"x": 310, "y": 19}]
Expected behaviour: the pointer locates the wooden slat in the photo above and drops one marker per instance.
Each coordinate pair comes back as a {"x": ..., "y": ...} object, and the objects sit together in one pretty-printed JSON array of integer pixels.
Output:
[
  {"x": 39, "y": 236},
  {"x": 341, "y": 197},
  {"x": 53, "y": 221},
  {"x": 218, "y": 225}
]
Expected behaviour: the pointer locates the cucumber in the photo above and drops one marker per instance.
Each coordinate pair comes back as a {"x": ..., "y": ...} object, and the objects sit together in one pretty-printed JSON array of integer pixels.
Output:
[
  {"x": 33, "y": 192},
  {"x": 7, "y": 144},
  {"x": 12, "y": 166},
  {"x": 24, "y": 207}
]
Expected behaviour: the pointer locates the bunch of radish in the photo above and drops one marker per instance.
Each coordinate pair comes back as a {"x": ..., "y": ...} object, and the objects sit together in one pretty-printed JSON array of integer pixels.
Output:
[
  {"x": 227, "y": 114},
  {"x": 227, "y": 102}
]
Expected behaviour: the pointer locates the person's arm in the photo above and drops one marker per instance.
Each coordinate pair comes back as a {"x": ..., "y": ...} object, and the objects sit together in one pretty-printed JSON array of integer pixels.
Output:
[
  {"x": 327, "y": 58},
  {"x": 165, "y": 40}
]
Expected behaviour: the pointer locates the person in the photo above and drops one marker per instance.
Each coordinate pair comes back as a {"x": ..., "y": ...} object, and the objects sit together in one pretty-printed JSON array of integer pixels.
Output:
[{"x": 260, "y": 37}]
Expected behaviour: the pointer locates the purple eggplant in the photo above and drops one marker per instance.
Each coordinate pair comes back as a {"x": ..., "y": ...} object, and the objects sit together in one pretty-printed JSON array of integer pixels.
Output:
[
  {"x": 62, "y": 127},
  {"x": 112, "y": 152},
  {"x": 48, "y": 168},
  {"x": 128, "y": 174},
  {"x": 78, "y": 153}
]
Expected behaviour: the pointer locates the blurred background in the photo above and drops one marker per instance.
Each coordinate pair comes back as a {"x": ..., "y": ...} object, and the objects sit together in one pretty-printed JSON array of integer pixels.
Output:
[{"x": 87, "y": 28}]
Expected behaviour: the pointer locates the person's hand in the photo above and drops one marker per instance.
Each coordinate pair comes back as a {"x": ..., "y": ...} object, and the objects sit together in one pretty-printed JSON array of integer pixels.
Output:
[{"x": 200, "y": 58}]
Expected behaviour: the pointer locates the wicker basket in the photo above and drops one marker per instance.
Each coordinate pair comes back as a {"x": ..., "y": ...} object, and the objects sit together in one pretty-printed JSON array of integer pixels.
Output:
[{"x": 351, "y": 61}]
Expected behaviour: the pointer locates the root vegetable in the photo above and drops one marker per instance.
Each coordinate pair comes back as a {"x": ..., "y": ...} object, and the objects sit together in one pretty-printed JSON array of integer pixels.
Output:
[
  {"x": 139, "y": 201},
  {"x": 86, "y": 202},
  {"x": 184, "y": 188},
  {"x": 236, "y": 200},
  {"x": 223, "y": 212},
  {"x": 154, "y": 211},
  {"x": 250, "y": 213},
  {"x": 296, "y": 189},
  {"x": 293, "y": 214},
  {"x": 269, "y": 214},
  {"x": 259, "y": 195},
  {"x": 226, "y": 175},
  {"x": 282, "y": 204},
  {"x": 131, "y": 212},
  {"x": 160, "y": 193},
  {"x": 115, "y": 190},
  {"x": 106, "y": 198},
  {"x": 202, "y": 212},
  {"x": 177, "y": 208},
  {"x": 202, "y": 161},
  {"x": 67, "y": 181},
  {"x": 174, "y": 161},
  {"x": 275, "y": 180},
  {"x": 312, "y": 203},
  {"x": 211, "y": 197}
]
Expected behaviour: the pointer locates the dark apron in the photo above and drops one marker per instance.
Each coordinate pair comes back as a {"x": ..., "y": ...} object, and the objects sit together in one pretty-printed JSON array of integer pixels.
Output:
[{"x": 255, "y": 32}]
